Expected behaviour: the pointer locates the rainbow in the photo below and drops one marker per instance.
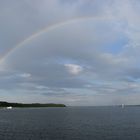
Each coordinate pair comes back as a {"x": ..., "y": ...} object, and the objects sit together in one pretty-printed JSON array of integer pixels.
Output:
[{"x": 47, "y": 29}]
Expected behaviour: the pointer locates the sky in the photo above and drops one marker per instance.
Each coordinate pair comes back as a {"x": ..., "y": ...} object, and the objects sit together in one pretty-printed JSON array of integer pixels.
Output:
[{"x": 76, "y": 52}]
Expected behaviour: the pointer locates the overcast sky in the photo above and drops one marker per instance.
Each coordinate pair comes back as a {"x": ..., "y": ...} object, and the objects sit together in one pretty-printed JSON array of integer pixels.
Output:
[{"x": 76, "y": 52}]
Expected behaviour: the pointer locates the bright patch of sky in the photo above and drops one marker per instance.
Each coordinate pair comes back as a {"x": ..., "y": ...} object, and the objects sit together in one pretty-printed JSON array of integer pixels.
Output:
[{"x": 117, "y": 46}]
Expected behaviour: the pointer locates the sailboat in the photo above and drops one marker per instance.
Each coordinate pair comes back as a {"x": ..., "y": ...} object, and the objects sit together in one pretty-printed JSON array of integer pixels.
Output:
[{"x": 122, "y": 105}]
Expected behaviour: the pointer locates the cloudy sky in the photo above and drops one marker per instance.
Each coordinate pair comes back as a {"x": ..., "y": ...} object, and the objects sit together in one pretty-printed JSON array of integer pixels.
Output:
[{"x": 76, "y": 52}]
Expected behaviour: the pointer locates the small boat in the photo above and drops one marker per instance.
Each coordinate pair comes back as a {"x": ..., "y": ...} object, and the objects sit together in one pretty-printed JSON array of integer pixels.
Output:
[
  {"x": 9, "y": 107},
  {"x": 122, "y": 105}
]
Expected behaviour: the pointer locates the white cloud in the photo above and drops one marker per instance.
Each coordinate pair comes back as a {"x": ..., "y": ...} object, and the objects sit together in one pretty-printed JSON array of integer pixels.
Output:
[
  {"x": 73, "y": 68},
  {"x": 25, "y": 75}
]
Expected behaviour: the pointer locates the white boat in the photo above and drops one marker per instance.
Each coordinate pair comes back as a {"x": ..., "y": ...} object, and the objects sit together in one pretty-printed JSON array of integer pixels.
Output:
[
  {"x": 122, "y": 105},
  {"x": 9, "y": 107}
]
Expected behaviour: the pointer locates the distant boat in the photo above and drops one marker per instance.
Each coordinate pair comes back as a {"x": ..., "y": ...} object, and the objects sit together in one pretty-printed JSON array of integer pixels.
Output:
[
  {"x": 122, "y": 105},
  {"x": 9, "y": 107}
]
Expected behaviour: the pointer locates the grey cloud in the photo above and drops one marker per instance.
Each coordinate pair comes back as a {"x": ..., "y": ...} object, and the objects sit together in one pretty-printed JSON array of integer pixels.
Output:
[{"x": 39, "y": 66}]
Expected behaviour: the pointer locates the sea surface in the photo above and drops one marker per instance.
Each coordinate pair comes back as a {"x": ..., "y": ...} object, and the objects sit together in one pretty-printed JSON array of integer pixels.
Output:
[{"x": 70, "y": 123}]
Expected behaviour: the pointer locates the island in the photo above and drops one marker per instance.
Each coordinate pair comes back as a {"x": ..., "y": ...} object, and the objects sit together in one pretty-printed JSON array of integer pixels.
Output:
[{"x": 7, "y": 104}]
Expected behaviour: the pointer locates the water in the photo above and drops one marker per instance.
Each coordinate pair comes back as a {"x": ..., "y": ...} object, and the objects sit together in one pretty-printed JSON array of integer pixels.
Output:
[{"x": 71, "y": 123}]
